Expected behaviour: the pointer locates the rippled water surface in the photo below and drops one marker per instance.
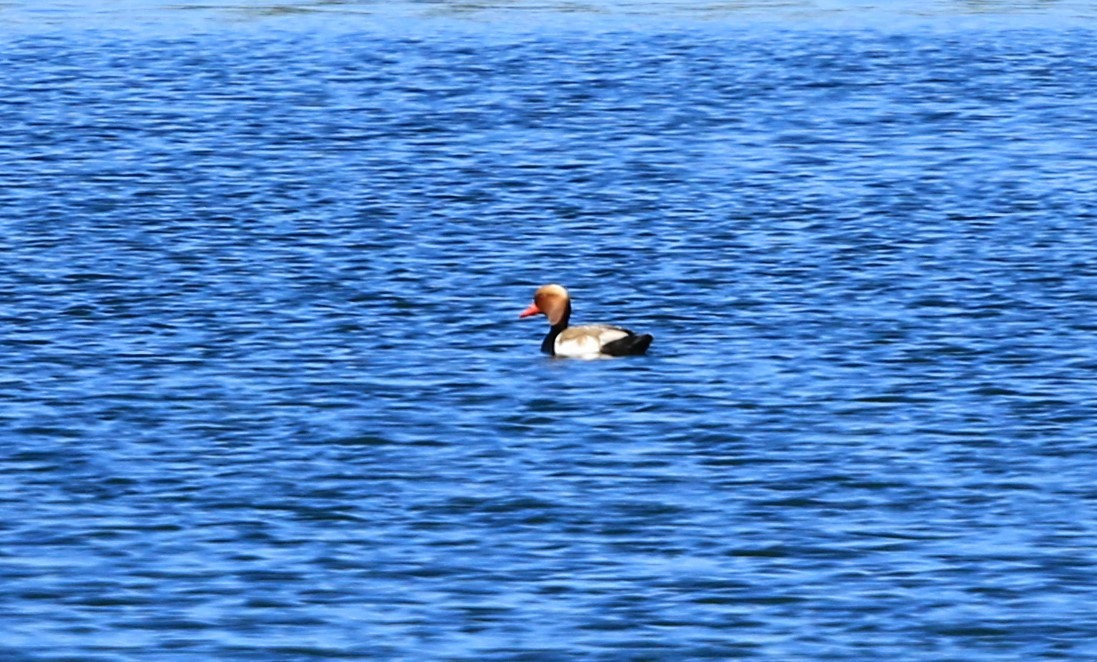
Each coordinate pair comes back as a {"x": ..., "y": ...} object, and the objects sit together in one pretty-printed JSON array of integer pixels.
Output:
[{"x": 265, "y": 394}]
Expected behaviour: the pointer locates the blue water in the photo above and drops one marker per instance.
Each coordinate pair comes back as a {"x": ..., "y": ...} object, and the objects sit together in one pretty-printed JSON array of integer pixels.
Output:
[{"x": 265, "y": 395}]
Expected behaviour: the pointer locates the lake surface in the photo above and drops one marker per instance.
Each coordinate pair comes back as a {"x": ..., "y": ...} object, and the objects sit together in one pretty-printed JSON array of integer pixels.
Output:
[{"x": 265, "y": 395}]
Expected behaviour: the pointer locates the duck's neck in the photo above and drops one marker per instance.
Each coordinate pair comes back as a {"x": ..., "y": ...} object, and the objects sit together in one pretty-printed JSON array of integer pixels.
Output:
[{"x": 548, "y": 345}]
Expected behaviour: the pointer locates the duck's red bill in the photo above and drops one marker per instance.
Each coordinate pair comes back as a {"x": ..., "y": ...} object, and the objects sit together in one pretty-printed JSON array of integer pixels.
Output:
[{"x": 532, "y": 310}]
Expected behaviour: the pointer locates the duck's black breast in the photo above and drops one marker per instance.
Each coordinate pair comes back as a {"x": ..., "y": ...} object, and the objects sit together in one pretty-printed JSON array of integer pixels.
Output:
[{"x": 548, "y": 345}]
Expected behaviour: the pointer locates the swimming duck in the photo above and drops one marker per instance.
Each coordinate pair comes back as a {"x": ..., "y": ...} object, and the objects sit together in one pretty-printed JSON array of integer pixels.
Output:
[{"x": 587, "y": 341}]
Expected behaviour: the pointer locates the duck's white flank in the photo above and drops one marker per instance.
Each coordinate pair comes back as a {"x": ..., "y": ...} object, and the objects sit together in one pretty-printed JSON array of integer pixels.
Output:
[{"x": 586, "y": 341}]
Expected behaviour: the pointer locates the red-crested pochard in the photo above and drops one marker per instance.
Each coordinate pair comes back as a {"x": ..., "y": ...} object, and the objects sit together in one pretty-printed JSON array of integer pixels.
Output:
[{"x": 586, "y": 341}]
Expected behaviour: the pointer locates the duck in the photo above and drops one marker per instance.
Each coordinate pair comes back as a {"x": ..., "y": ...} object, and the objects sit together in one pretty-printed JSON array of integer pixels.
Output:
[{"x": 587, "y": 341}]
